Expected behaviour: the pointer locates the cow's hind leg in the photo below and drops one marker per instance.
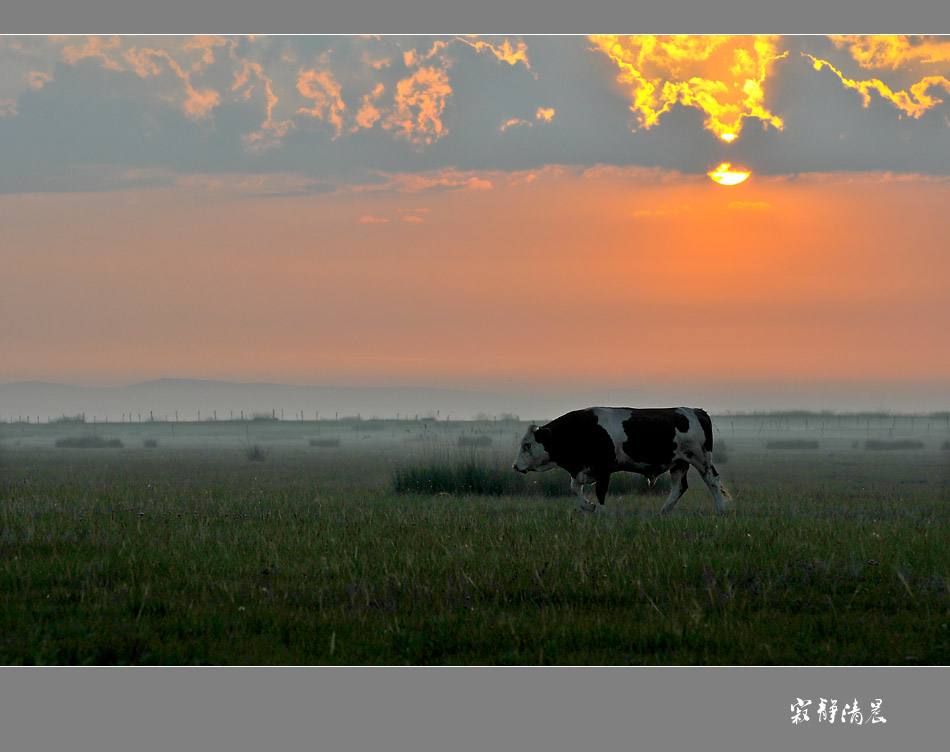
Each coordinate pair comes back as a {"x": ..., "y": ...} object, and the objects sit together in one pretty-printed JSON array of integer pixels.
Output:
[
  {"x": 600, "y": 486},
  {"x": 679, "y": 485},
  {"x": 577, "y": 486},
  {"x": 710, "y": 477}
]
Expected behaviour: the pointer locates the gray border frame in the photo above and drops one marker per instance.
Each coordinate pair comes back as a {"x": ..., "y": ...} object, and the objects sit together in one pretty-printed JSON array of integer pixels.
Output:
[
  {"x": 484, "y": 17},
  {"x": 476, "y": 708}
]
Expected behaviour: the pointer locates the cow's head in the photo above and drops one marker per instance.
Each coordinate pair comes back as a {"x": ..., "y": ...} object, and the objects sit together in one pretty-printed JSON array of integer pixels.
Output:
[{"x": 532, "y": 455}]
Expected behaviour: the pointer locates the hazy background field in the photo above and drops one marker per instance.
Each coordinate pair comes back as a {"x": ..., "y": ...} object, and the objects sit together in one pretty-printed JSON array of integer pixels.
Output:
[{"x": 270, "y": 541}]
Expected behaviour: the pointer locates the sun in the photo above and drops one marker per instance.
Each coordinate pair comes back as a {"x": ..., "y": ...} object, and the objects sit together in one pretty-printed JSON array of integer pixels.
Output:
[{"x": 726, "y": 176}]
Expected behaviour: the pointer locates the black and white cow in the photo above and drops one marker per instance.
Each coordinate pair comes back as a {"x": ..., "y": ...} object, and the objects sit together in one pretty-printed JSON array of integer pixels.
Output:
[{"x": 597, "y": 441}]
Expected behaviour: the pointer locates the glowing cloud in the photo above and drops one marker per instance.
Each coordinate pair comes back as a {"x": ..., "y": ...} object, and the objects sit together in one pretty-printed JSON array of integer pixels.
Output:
[
  {"x": 724, "y": 175},
  {"x": 722, "y": 76},
  {"x": 368, "y": 113},
  {"x": 504, "y": 52},
  {"x": 514, "y": 122},
  {"x": 414, "y": 57},
  {"x": 894, "y": 51},
  {"x": 545, "y": 114},
  {"x": 417, "y": 111},
  {"x": 323, "y": 89},
  {"x": 150, "y": 62},
  {"x": 272, "y": 130},
  {"x": 38, "y": 79},
  {"x": 96, "y": 48},
  {"x": 914, "y": 102}
]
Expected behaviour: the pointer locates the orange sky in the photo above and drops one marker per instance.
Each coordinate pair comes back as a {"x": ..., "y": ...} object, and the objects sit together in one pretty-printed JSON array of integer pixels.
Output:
[{"x": 607, "y": 276}]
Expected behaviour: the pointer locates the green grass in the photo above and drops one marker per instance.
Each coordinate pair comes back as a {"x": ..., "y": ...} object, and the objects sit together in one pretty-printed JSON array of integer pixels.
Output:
[{"x": 191, "y": 556}]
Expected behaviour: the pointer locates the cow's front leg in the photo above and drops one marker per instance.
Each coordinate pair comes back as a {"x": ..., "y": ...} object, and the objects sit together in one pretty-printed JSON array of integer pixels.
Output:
[
  {"x": 600, "y": 486},
  {"x": 577, "y": 486}
]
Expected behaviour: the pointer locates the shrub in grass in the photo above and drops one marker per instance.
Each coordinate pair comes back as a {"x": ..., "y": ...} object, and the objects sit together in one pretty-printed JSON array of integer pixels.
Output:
[
  {"x": 325, "y": 443},
  {"x": 885, "y": 444},
  {"x": 446, "y": 476},
  {"x": 151, "y": 443},
  {"x": 476, "y": 442},
  {"x": 255, "y": 453},
  {"x": 945, "y": 446},
  {"x": 791, "y": 444},
  {"x": 88, "y": 442}
]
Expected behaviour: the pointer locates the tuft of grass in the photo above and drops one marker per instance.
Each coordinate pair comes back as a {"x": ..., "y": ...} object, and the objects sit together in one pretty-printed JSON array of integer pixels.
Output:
[
  {"x": 255, "y": 453},
  {"x": 150, "y": 443},
  {"x": 88, "y": 442},
  {"x": 884, "y": 444},
  {"x": 791, "y": 444},
  {"x": 469, "y": 476}
]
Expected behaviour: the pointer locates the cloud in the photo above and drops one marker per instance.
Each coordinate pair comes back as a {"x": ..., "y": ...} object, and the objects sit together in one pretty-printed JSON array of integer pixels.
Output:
[
  {"x": 272, "y": 130},
  {"x": 544, "y": 114},
  {"x": 96, "y": 48},
  {"x": 235, "y": 185},
  {"x": 414, "y": 58},
  {"x": 514, "y": 122},
  {"x": 913, "y": 101},
  {"x": 38, "y": 79},
  {"x": 720, "y": 75},
  {"x": 432, "y": 180},
  {"x": 504, "y": 52},
  {"x": 323, "y": 89},
  {"x": 412, "y": 218},
  {"x": 369, "y": 114},
  {"x": 894, "y": 51},
  {"x": 146, "y": 62},
  {"x": 374, "y": 62},
  {"x": 368, "y": 219},
  {"x": 416, "y": 114},
  {"x": 206, "y": 45}
]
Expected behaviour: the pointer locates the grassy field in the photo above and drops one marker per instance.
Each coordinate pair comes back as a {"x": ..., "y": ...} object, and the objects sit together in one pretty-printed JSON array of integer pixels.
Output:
[{"x": 182, "y": 547}]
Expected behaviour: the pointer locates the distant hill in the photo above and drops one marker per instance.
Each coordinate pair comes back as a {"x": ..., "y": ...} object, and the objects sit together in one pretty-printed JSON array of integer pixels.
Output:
[
  {"x": 189, "y": 397},
  {"x": 163, "y": 397}
]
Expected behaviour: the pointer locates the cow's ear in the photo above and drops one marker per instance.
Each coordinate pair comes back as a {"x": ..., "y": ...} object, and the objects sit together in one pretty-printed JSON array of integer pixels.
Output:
[{"x": 542, "y": 434}]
